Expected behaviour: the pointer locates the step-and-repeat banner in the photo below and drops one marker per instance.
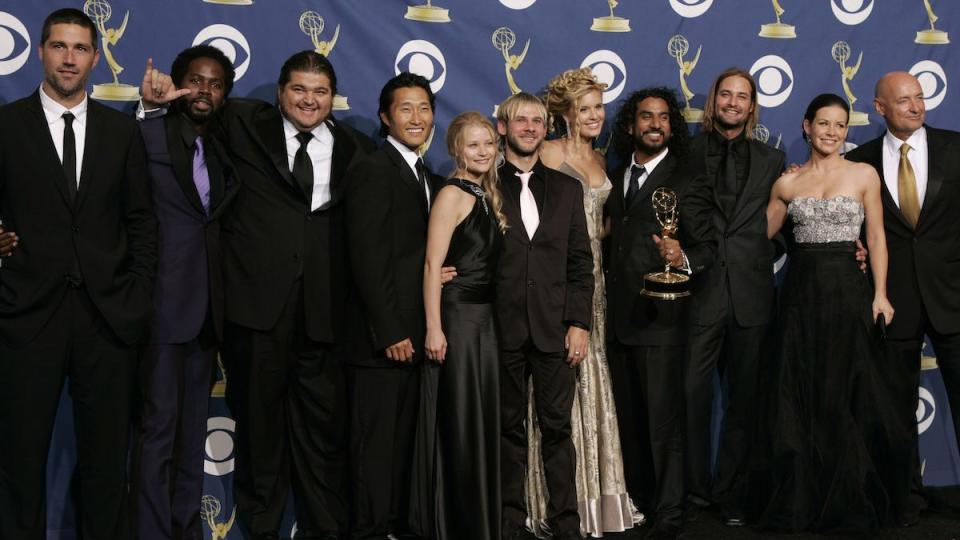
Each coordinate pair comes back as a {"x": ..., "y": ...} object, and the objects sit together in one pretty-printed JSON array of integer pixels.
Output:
[{"x": 476, "y": 52}]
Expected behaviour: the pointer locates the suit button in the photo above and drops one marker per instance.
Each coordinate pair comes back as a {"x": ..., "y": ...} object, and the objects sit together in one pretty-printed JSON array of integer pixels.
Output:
[
  {"x": 309, "y": 217},
  {"x": 75, "y": 228},
  {"x": 626, "y": 219},
  {"x": 530, "y": 247},
  {"x": 530, "y": 283}
]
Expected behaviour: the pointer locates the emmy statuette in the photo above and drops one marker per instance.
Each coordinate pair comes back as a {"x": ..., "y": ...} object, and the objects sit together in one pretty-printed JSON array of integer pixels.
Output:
[
  {"x": 428, "y": 13},
  {"x": 311, "y": 24},
  {"x": 841, "y": 53},
  {"x": 677, "y": 47},
  {"x": 100, "y": 12},
  {"x": 778, "y": 30},
  {"x": 610, "y": 23},
  {"x": 931, "y": 36},
  {"x": 666, "y": 285}
]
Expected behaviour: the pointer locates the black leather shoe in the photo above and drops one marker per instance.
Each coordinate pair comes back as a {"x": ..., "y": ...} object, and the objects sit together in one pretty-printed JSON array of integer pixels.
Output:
[{"x": 733, "y": 517}]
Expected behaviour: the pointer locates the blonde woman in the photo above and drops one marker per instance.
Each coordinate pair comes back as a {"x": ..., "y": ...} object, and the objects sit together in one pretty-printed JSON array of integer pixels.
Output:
[
  {"x": 466, "y": 231},
  {"x": 575, "y": 103}
]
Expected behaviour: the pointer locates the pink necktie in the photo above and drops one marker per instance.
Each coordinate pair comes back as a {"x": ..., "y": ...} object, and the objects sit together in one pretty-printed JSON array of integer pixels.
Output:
[{"x": 528, "y": 205}]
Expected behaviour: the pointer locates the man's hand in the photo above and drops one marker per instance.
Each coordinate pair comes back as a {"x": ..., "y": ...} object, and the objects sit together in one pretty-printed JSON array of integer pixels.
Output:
[
  {"x": 861, "y": 256},
  {"x": 401, "y": 351},
  {"x": 576, "y": 343},
  {"x": 8, "y": 242},
  {"x": 670, "y": 251},
  {"x": 447, "y": 273},
  {"x": 158, "y": 89}
]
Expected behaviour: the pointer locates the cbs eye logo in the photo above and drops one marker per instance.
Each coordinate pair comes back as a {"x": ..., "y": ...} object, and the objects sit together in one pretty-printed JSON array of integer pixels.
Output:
[
  {"x": 691, "y": 8},
  {"x": 229, "y": 40},
  {"x": 926, "y": 410},
  {"x": 851, "y": 12},
  {"x": 219, "y": 446},
  {"x": 774, "y": 80},
  {"x": 14, "y": 44},
  {"x": 424, "y": 59},
  {"x": 608, "y": 68},
  {"x": 933, "y": 80},
  {"x": 517, "y": 4}
]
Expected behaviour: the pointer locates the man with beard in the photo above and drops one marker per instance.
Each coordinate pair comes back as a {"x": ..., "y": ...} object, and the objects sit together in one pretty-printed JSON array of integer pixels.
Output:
[
  {"x": 192, "y": 184},
  {"x": 76, "y": 293},
  {"x": 920, "y": 183},
  {"x": 544, "y": 303},
  {"x": 733, "y": 298},
  {"x": 646, "y": 335}
]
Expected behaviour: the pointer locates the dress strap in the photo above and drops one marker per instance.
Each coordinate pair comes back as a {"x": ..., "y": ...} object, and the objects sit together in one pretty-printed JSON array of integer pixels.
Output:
[{"x": 471, "y": 188}]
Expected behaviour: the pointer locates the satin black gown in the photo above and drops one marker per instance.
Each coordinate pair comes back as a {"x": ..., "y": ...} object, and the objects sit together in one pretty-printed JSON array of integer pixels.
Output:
[
  {"x": 826, "y": 441},
  {"x": 466, "y": 451}
]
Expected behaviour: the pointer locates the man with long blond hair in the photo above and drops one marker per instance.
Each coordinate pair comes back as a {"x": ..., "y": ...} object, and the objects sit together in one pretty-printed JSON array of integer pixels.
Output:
[{"x": 732, "y": 301}]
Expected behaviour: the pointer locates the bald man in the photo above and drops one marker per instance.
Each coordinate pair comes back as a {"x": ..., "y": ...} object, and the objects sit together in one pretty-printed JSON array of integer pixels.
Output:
[{"x": 920, "y": 169}]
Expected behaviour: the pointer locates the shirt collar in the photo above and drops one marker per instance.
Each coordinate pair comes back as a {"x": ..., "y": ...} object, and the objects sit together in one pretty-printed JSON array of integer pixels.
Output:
[
  {"x": 916, "y": 140},
  {"x": 321, "y": 133},
  {"x": 510, "y": 170},
  {"x": 650, "y": 165},
  {"x": 410, "y": 156},
  {"x": 54, "y": 111}
]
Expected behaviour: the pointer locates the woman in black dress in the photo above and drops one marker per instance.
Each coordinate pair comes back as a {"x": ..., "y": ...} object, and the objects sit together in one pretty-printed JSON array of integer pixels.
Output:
[{"x": 465, "y": 231}]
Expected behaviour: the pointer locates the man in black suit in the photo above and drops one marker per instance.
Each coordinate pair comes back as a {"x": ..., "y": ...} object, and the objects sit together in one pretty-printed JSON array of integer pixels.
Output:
[
  {"x": 285, "y": 282},
  {"x": 920, "y": 170},
  {"x": 646, "y": 335},
  {"x": 76, "y": 293},
  {"x": 544, "y": 307},
  {"x": 733, "y": 299},
  {"x": 387, "y": 202},
  {"x": 192, "y": 185}
]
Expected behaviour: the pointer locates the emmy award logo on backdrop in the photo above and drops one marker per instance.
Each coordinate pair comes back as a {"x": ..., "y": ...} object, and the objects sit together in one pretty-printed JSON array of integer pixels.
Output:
[
  {"x": 678, "y": 47},
  {"x": 503, "y": 40},
  {"x": 778, "y": 30},
  {"x": 428, "y": 13},
  {"x": 666, "y": 285},
  {"x": 209, "y": 510},
  {"x": 610, "y": 23},
  {"x": 100, "y": 11},
  {"x": 311, "y": 24},
  {"x": 841, "y": 53},
  {"x": 230, "y": 2},
  {"x": 931, "y": 36},
  {"x": 762, "y": 134}
]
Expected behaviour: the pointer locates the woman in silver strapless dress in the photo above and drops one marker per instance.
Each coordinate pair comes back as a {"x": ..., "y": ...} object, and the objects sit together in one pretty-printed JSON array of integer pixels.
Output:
[{"x": 823, "y": 443}]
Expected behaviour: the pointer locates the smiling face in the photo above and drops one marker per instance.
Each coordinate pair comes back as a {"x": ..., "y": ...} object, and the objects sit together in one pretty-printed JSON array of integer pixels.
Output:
[
  {"x": 900, "y": 101},
  {"x": 478, "y": 151},
  {"x": 828, "y": 130},
  {"x": 206, "y": 80},
  {"x": 410, "y": 117},
  {"x": 588, "y": 114},
  {"x": 525, "y": 131},
  {"x": 68, "y": 56},
  {"x": 306, "y": 99},
  {"x": 651, "y": 128},
  {"x": 733, "y": 103}
]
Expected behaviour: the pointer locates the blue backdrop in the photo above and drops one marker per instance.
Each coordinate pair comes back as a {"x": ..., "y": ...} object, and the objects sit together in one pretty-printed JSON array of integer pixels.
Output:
[{"x": 475, "y": 52}]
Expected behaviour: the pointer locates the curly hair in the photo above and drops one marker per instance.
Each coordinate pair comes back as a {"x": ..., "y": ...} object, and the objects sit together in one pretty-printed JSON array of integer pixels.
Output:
[
  {"x": 564, "y": 92},
  {"x": 181, "y": 64},
  {"x": 490, "y": 181},
  {"x": 623, "y": 141}
]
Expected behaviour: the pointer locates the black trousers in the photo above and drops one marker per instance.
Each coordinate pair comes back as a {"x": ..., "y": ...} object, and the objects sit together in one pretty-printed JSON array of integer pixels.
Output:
[
  {"x": 75, "y": 345},
  {"x": 902, "y": 378},
  {"x": 734, "y": 352},
  {"x": 383, "y": 422},
  {"x": 288, "y": 396},
  {"x": 650, "y": 415},
  {"x": 554, "y": 384}
]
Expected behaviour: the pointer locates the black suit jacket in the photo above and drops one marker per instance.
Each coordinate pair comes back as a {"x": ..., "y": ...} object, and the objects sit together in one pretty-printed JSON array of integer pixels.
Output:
[
  {"x": 386, "y": 214},
  {"x": 271, "y": 238},
  {"x": 924, "y": 264},
  {"x": 109, "y": 229},
  {"x": 546, "y": 282},
  {"x": 744, "y": 256},
  {"x": 189, "y": 273},
  {"x": 634, "y": 319}
]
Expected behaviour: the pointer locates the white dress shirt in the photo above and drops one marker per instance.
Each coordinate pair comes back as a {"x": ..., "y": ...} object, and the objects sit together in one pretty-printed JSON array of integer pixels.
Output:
[
  {"x": 648, "y": 168},
  {"x": 918, "y": 160},
  {"x": 320, "y": 150},
  {"x": 411, "y": 157},
  {"x": 53, "y": 111}
]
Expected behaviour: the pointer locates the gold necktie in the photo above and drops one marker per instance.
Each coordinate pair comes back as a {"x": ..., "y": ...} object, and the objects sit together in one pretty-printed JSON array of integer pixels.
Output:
[{"x": 907, "y": 188}]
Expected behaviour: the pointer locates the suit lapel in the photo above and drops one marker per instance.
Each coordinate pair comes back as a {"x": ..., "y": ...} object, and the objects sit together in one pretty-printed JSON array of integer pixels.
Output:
[
  {"x": 407, "y": 178},
  {"x": 343, "y": 150},
  {"x": 49, "y": 151},
  {"x": 183, "y": 164},
  {"x": 754, "y": 175},
  {"x": 935, "y": 174},
  {"x": 655, "y": 179},
  {"x": 268, "y": 128},
  {"x": 890, "y": 206}
]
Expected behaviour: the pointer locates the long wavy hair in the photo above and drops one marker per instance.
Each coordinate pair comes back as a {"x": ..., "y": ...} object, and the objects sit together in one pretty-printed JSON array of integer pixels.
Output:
[
  {"x": 623, "y": 141},
  {"x": 710, "y": 107},
  {"x": 565, "y": 92},
  {"x": 489, "y": 181}
]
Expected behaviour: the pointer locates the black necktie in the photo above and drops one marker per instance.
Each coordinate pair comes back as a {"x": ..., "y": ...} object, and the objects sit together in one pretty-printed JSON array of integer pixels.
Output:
[
  {"x": 636, "y": 171},
  {"x": 70, "y": 155},
  {"x": 730, "y": 176},
  {"x": 303, "y": 166},
  {"x": 422, "y": 178}
]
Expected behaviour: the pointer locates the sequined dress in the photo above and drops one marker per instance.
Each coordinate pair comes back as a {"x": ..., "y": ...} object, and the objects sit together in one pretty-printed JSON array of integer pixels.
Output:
[
  {"x": 603, "y": 502},
  {"x": 825, "y": 439}
]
